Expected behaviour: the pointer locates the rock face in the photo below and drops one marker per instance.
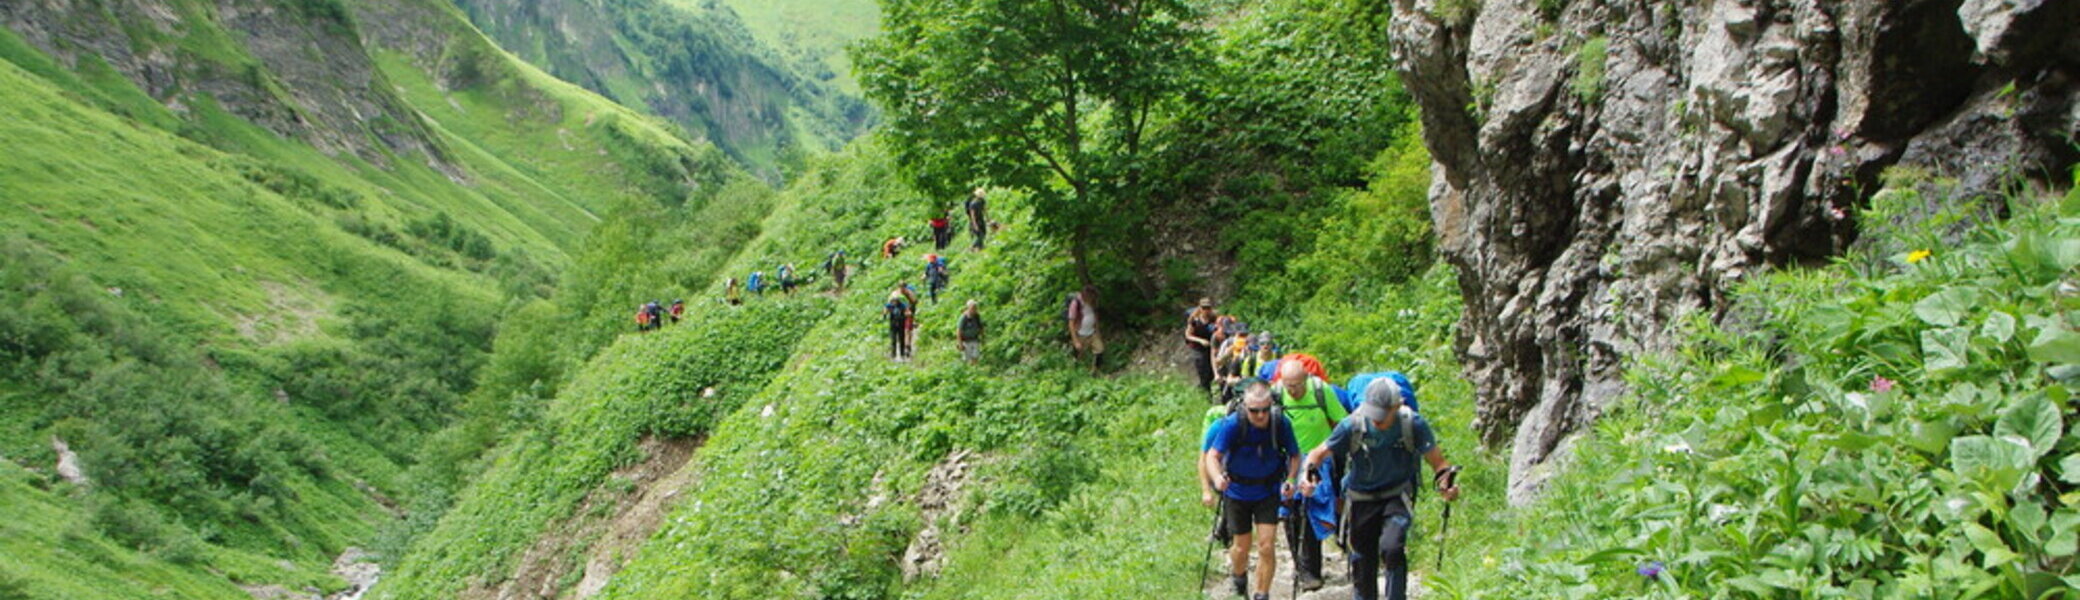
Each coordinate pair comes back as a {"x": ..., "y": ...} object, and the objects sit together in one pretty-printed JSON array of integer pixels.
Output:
[
  {"x": 295, "y": 68},
  {"x": 1606, "y": 167}
]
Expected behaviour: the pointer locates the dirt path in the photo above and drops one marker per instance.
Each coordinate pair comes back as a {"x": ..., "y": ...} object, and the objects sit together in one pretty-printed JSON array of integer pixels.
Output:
[{"x": 1336, "y": 583}]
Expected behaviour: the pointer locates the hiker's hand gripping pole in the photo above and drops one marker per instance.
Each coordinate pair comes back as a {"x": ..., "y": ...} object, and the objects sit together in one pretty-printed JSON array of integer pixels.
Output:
[{"x": 1447, "y": 481}]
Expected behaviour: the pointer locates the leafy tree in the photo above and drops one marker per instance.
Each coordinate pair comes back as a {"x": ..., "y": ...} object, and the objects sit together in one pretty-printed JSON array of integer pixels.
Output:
[{"x": 1053, "y": 98}]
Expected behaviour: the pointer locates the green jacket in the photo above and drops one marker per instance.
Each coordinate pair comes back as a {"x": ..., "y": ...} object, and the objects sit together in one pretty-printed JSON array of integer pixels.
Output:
[{"x": 1310, "y": 426}]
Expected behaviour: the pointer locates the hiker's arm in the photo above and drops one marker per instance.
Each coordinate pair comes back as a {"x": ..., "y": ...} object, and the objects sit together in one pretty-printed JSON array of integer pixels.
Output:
[
  {"x": 1438, "y": 464},
  {"x": 1212, "y": 465}
]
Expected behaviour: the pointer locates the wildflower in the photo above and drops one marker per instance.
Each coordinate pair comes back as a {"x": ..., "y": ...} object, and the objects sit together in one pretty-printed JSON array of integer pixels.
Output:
[
  {"x": 1836, "y": 213},
  {"x": 1680, "y": 447},
  {"x": 1837, "y": 150},
  {"x": 1880, "y": 384},
  {"x": 1651, "y": 570},
  {"x": 1918, "y": 256}
]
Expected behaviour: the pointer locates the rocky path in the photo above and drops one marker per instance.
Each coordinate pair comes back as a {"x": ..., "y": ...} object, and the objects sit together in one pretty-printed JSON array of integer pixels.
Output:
[{"x": 1336, "y": 583}]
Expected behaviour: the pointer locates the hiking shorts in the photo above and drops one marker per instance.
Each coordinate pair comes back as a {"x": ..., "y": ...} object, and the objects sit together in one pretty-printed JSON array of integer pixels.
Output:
[
  {"x": 1241, "y": 515},
  {"x": 971, "y": 350},
  {"x": 1093, "y": 343}
]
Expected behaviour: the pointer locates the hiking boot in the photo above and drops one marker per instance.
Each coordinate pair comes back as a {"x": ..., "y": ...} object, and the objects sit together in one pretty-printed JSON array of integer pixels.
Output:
[
  {"x": 1309, "y": 583},
  {"x": 1241, "y": 583},
  {"x": 1260, "y": 597}
]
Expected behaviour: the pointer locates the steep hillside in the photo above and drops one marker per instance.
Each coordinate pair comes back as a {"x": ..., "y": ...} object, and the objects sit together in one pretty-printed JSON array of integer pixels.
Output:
[
  {"x": 813, "y": 34},
  {"x": 256, "y": 255},
  {"x": 693, "y": 63},
  {"x": 1608, "y": 168}
]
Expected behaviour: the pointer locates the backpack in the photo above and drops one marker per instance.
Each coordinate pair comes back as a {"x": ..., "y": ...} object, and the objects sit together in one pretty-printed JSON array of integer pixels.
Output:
[
  {"x": 642, "y": 316},
  {"x": 1408, "y": 389},
  {"x": 1073, "y": 307},
  {"x": 1308, "y": 362},
  {"x": 895, "y": 309},
  {"x": 971, "y": 327},
  {"x": 757, "y": 282}
]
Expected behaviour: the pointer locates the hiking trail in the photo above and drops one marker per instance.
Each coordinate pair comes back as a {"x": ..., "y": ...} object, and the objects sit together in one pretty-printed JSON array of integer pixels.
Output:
[{"x": 1336, "y": 576}]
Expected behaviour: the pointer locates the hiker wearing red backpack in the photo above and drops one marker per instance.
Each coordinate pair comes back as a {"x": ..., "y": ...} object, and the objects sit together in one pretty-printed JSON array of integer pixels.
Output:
[
  {"x": 942, "y": 231},
  {"x": 1315, "y": 408}
]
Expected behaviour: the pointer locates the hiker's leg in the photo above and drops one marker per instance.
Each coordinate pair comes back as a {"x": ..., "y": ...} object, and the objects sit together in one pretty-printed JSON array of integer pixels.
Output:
[
  {"x": 1305, "y": 547},
  {"x": 1365, "y": 522},
  {"x": 1393, "y": 541},
  {"x": 1267, "y": 554},
  {"x": 1238, "y": 517}
]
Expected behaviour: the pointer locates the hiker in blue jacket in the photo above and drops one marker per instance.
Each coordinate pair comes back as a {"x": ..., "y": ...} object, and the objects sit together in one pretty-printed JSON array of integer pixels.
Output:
[
  {"x": 1380, "y": 442},
  {"x": 1252, "y": 461}
]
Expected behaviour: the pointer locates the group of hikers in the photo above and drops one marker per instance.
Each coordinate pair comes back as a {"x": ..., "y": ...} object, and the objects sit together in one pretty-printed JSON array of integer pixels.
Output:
[
  {"x": 1284, "y": 445},
  {"x": 901, "y": 307},
  {"x": 652, "y": 315}
]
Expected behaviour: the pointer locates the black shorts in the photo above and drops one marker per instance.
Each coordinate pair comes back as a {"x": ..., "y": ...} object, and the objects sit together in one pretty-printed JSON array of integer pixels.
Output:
[{"x": 1239, "y": 515}]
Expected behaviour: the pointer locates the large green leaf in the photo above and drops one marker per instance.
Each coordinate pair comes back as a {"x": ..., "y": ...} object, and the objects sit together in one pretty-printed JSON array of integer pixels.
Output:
[
  {"x": 2055, "y": 345},
  {"x": 1996, "y": 462},
  {"x": 2033, "y": 419},
  {"x": 1943, "y": 350},
  {"x": 1948, "y": 307},
  {"x": 2069, "y": 468},
  {"x": 2000, "y": 326}
]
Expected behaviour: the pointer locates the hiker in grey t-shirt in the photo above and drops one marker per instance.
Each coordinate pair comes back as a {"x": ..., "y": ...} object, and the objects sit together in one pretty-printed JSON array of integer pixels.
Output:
[{"x": 1380, "y": 442}]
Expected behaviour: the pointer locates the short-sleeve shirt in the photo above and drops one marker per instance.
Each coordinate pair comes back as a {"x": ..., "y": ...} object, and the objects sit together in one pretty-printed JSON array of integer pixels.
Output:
[
  {"x": 1309, "y": 424},
  {"x": 1253, "y": 454},
  {"x": 1379, "y": 461}
]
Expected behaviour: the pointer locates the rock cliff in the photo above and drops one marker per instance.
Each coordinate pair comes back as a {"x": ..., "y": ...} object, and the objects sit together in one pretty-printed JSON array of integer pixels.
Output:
[{"x": 1605, "y": 168}]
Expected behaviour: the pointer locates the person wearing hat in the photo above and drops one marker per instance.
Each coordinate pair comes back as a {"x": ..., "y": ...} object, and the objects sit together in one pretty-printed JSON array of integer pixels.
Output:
[
  {"x": 1198, "y": 339},
  {"x": 1380, "y": 442}
]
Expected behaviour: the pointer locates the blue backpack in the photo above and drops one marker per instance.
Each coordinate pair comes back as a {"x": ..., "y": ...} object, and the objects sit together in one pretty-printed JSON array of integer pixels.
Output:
[
  {"x": 757, "y": 281},
  {"x": 1408, "y": 388}
]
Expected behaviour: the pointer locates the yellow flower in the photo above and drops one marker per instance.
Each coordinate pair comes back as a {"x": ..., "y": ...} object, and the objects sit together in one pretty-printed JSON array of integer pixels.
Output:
[{"x": 1918, "y": 256}]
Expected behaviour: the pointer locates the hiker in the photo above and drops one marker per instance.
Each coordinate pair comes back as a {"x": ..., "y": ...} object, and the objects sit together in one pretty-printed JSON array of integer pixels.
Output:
[
  {"x": 653, "y": 315},
  {"x": 897, "y": 311},
  {"x": 934, "y": 275},
  {"x": 642, "y": 318},
  {"x": 910, "y": 319},
  {"x": 1252, "y": 463},
  {"x": 757, "y": 283},
  {"x": 969, "y": 333},
  {"x": 731, "y": 294},
  {"x": 1228, "y": 359},
  {"x": 1198, "y": 340},
  {"x": 977, "y": 223},
  {"x": 787, "y": 279},
  {"x": 1315, "y": 408},
  {"x": 1262, "y": 354},
  {"x": 1084, "y": 337},
  {"x": 942, "y": 230},
  {"x": 1380, "y": 443},
  {"x": 678, "y": 310},
  {"x": 835, "y": 265},
  {"x": 892, "y": 247}
]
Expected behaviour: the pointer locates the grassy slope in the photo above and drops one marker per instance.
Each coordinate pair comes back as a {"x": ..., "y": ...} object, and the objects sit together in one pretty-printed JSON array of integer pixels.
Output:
[
  {"x": 813, "y": 34},
  {"x": 208, "y": 251}
]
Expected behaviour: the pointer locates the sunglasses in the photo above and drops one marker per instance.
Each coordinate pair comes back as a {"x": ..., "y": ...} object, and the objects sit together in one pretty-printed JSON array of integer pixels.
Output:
[{"x": 1258, "y": 410}]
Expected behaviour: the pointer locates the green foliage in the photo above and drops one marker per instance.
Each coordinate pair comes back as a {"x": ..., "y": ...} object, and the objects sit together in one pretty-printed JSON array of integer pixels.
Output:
[
  {"x": 1589, "y": 61},
  {"x": 1897, "y": 433},
  {"x": 1052, "y": 100}
]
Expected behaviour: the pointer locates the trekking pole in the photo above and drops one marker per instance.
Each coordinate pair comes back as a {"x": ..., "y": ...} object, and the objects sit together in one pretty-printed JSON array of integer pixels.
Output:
[
  {"x": 1211, "y": 537},
  {"x": 1451, "y": 479}
]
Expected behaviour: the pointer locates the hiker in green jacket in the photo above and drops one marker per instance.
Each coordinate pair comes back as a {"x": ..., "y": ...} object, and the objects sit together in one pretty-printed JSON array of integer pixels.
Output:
[{"x": 1315, "y": 409}]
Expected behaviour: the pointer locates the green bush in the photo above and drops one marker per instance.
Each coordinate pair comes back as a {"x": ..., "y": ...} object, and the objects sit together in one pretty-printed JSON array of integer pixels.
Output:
[{"x": 1898, "y": 433}]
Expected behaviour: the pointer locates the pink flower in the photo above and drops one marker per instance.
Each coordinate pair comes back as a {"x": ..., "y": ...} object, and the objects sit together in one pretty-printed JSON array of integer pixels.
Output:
[{"x": 1880, "y": 384}]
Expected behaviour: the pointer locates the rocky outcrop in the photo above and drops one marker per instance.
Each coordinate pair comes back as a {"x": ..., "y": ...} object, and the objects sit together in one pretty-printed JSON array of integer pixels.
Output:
[
  {"x": 295, "y": 68},
  {"x": 1607, "y": 167}
]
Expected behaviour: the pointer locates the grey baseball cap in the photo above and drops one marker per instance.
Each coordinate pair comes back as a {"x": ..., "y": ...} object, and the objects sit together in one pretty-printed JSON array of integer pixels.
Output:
[{"x": 1382, "y": 398}]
